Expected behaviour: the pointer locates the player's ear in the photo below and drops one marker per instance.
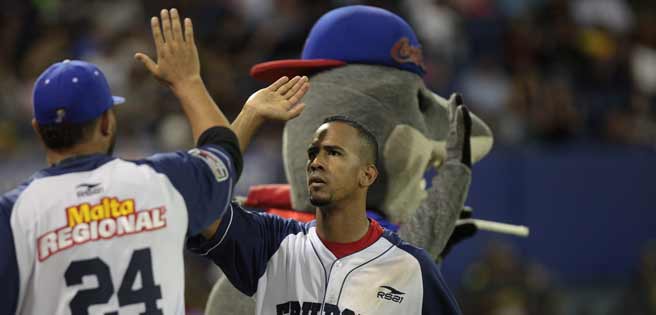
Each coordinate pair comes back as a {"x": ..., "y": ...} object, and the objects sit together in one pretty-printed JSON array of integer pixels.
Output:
[
  {"x": 105, "y": 123},
  {"x": 35, "y": 126},
  {"x": 368, "y": 175}
]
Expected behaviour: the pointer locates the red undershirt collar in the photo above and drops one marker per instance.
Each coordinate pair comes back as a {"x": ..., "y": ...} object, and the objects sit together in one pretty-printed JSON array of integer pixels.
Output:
[{"x": 344, "y": 249}]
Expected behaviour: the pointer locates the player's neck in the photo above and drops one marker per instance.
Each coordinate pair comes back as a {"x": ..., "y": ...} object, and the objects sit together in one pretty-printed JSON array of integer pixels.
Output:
[
  {"x": 54, "y": 157},
  {"x": 342, "y": 224}
]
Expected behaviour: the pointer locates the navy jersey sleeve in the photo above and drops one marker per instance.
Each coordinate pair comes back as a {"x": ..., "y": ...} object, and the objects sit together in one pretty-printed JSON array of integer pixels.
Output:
[
  {"x": 204, "y": 176},
  {"x": 244, "y": 243},
  {"x": 8, "y": 263},
  {"x": 438, "y": 299}
]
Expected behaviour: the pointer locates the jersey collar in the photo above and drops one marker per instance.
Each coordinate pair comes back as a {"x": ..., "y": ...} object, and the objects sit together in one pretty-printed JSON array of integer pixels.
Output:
[
  {"x": 74, "y": 164},
  {"x": 366, "y": 254}
]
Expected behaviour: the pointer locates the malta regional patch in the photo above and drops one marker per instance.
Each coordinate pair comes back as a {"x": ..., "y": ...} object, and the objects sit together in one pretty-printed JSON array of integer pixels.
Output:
[{"x": 215, "y": 164}]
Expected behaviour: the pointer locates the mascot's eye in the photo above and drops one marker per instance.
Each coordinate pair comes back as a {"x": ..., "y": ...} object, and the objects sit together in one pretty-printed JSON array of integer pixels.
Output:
[{"x": 423, "y": 101}]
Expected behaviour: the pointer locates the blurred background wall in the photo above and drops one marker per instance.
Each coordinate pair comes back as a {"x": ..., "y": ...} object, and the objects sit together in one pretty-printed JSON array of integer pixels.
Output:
[{"x": 568, "y": 87}]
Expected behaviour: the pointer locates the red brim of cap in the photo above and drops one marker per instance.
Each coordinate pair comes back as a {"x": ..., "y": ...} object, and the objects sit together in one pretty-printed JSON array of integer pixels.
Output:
[{"x": 272, "y": 70}]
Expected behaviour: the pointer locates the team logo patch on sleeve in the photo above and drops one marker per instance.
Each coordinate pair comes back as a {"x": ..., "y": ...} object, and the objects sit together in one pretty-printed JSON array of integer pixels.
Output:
[{"x": 215, "y": 164}]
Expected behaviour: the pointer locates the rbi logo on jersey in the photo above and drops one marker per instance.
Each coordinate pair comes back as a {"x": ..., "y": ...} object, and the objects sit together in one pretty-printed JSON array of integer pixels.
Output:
[
  {"x": 390, "y": 294},
  {"x": 87, "y": 189},
  {"x": 219, "y": 169}
]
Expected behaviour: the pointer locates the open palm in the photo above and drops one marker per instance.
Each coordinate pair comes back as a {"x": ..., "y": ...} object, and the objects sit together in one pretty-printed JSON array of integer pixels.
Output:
[{"x": 280, "y": 100}]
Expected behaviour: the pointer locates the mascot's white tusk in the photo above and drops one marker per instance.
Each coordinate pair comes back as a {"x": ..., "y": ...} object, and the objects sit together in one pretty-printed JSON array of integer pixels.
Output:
[{"x": 504, "y": 228}]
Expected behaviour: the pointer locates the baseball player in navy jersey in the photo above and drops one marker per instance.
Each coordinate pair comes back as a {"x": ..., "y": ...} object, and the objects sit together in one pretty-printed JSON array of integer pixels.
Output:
[
  {"x": 95, "y": 234},
  {"x": 341, "y": 263}
]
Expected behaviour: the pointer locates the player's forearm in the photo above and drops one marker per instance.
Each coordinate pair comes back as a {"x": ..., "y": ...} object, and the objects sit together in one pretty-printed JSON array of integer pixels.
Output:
[
  {"x": 245, "y": 126},
  {"x": 198, "y": 106},
  {"x": 432, "y": 224}
]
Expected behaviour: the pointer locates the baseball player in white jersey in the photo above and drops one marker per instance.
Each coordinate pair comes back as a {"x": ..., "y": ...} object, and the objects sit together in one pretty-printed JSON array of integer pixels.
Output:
[
  {"x": 95, "y": 234},
  {"x": 342, "y": 263}
]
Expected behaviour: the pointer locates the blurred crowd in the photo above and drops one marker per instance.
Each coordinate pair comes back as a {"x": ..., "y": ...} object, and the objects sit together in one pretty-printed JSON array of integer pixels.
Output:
[
  {"x": 547, "y": 71},
  {"x": 500, "y": 282},
  {"x": 539, "y": 72}
]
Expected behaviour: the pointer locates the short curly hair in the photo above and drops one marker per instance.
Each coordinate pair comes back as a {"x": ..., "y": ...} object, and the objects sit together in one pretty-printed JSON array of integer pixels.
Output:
[{"x": 370, "y": 144}]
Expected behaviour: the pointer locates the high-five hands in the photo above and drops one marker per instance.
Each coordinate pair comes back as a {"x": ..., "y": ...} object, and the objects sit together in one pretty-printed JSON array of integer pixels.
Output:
[
  {"x": 177, "y": 55},
  {"x": 279, "y": 101}
]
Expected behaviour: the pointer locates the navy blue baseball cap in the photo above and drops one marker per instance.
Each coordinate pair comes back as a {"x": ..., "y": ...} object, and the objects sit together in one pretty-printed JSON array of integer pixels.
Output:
[
  {"x": 71, "y": 91},
  {"x": 351, "y": 34}
]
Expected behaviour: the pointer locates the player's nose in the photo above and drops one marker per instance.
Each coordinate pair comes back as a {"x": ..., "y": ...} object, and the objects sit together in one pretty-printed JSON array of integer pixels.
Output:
[{"x": 316, "y": 163}]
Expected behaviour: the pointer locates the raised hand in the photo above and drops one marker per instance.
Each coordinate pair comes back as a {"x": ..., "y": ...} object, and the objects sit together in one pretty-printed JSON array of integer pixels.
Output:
[
  {"x": 177, "y": 55},
  {"x": 178, "y": 66},
  {"x": 279, "y": 101}
]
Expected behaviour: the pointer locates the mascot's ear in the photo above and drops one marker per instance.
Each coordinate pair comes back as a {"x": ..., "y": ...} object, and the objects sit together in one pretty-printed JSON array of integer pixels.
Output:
[{"x": 368, "y": 175}]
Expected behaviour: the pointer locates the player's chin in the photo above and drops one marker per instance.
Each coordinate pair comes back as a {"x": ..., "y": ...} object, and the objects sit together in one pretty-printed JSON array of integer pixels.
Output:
[{"x": 319, "y": 200}]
